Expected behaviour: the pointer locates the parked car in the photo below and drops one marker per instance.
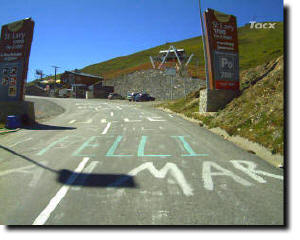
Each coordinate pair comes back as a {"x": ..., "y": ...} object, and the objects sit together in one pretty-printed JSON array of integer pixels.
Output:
[
  {"x": 143, "y": 97},
  {"x": 131, "y": 96},
  {"x": 112, "y": 96}
]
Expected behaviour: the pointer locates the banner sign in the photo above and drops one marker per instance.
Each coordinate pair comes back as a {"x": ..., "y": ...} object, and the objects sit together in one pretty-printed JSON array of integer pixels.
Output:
[
  {"x": 15, "y": 44},
  {"x": 222, "y": 50}
]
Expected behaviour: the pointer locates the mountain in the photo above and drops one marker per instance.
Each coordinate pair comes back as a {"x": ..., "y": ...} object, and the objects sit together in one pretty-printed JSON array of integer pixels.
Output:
[{"x": 256, "y": 46}]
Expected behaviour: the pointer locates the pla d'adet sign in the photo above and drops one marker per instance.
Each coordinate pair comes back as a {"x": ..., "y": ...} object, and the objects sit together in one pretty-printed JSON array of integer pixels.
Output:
[
  {"x": 222, "y": 50},
  {"x": 15, "y": 44}
]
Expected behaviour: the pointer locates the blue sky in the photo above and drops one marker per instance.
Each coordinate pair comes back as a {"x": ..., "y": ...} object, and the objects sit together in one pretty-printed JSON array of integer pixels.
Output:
[{"x": 76, "y": 33}]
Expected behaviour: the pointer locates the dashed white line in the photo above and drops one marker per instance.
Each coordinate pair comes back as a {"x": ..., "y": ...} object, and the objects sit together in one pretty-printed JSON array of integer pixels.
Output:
[
  {"x": 111, "y": 114},
  {"x": 106, "y": 128},
  {"x": 171, "y": 115},
  {"x": 118, "y": 107},
  {"x": 103, "y": 120},
  {"x": 45, "y": 214},
  {"x": 72, "y": 121}
]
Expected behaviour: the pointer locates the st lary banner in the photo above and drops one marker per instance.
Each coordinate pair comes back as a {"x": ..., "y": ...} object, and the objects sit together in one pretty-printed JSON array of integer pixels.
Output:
[
  {"x": 15, "y": 44},
  {"x": 222, "y": 50}
]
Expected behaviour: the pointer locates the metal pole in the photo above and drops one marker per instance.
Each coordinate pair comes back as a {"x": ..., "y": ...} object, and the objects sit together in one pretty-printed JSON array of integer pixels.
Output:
[
  {"x": 204, "y": 45},
  {"x": 55, "y": 67}
]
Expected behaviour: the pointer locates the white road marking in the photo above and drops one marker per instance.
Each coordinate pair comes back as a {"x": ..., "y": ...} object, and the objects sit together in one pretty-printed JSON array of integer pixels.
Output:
[
  {"x": 127, "y": 120},
  {"x": 145, "y": 129},
  {"x": 161, "y": 128},
  {"x": 249, "y": 168},
  {"x": 118, "y": 107},
  {"x": 45, "y": 214},
  {"x": 207, "y": 175},
  {"x": 88, "y": 121},
  {"x": 171, "y": 115},
  {"x": 37, "y": 176},
  {"x": 111, "y": 114},
  {"x": 162, "y": 173},
  {"x": 20, "y": 170},
  {"x": 72, "y": 121},
  {"x": 106, "y": 128},
  {"x": 87, "y": 171},
  {"x": 103, "y": 120},
  {"x": 27, "y": 139},
  {"x": 155, "y": 119}
]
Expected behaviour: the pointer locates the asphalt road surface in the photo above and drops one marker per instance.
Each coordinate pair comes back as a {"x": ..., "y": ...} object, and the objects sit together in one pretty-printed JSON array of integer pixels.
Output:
[{"x": 107, "y": 162}]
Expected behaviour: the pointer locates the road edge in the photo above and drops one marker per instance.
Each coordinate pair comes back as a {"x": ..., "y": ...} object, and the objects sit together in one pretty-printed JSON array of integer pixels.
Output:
[{"x": 275, "y": 160}]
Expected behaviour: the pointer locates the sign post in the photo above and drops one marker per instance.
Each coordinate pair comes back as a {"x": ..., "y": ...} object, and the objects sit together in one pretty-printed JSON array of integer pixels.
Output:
[
  {"x": 221, "y": 47},
  {"x": 222, "y": 50},
  {"x": 15, "y": 45}
]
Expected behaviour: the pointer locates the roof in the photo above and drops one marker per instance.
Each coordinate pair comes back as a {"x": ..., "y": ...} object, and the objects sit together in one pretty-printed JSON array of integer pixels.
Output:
[
  {"x": 84, "y": 74},
  {"x": 171, "y": 50}
]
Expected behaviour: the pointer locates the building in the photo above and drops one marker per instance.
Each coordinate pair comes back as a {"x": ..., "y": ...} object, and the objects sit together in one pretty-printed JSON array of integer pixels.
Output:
[
  {"x": 100, "y": 91},
  {"x": 79, "y": 82}
]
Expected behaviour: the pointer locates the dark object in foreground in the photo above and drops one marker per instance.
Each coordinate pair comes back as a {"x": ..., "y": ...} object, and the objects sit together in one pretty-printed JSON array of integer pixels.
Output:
[
  {"x": 13, "y": 122},
  {"x": 143, "y": 97},
  {"x": 112, "y": 96},
  {"x": 68, "y": 177}
]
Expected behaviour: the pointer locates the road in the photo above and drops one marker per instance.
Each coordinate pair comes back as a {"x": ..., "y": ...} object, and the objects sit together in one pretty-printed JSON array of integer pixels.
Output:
[{"x": 117, "y": 163}]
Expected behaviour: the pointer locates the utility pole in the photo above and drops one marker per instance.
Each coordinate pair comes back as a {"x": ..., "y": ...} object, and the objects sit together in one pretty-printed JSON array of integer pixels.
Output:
[
  {"x": 204, "y": 45},
  {"x": 55, "y": 67}
]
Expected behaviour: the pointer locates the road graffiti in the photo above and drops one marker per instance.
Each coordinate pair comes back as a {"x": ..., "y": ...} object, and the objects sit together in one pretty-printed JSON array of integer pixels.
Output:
[
  {"x": 188, "y": 148},
  {"x": 207, "y": 175},
  {"x": 86, "y": 144},
  {"x": 141, "y": 149},
  {"x": 249, "y": 168},
  {"x": 169, "y": 167},
  {"x": 92, "y": 142},
  {"x": 111, "y": 151},
  {"x": 46, "y": 149}
]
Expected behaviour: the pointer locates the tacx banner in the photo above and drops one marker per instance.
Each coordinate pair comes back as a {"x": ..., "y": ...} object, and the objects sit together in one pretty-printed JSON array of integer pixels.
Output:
[
  {"x": 15, "y": 44},
  {"x": 222, "y": 50}
]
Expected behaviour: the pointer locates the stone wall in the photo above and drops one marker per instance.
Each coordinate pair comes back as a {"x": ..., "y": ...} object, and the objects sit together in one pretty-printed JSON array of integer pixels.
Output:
[
  {"x": 156, "y": 83},
  {"x": 214, "y": 100}
]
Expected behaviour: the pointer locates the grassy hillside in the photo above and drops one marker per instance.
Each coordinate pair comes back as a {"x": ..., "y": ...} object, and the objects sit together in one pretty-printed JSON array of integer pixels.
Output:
[
  {"x": 258, "y": 114},
  {"x": 256, "y": 47}
]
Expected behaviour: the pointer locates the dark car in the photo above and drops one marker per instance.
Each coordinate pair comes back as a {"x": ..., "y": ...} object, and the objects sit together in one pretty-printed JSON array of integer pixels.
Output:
[
  {"x": 131, "y": 96},
  {"x": 112, "y": 96},
  {"x": 143, "y": 97}
]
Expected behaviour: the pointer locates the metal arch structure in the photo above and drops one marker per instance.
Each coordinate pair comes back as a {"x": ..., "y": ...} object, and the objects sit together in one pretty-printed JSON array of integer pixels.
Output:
[{"x": 172, "y": 49}]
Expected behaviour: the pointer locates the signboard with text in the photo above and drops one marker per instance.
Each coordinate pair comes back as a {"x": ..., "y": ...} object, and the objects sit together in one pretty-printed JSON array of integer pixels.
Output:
[
  {"x": 222, "y": 50},
  {"x": 15, "y": 45}
]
